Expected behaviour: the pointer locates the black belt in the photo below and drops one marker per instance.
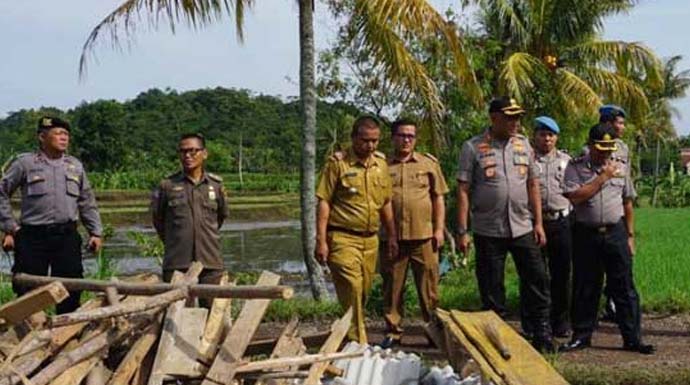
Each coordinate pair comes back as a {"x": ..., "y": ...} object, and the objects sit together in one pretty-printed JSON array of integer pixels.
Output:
[
  {"x": 601, "y": 229},
  {"x": 53, "y": 228},
  {"x": 555, "y": 215},
  {"x": 352, "y": 232}
]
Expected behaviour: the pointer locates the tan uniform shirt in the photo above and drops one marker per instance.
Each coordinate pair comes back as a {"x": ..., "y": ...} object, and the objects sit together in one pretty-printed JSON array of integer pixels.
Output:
[
  {"x": 497, "y": 173},
  {"x": 606, "y": 206},
  {"x": 355, "y": 191},
  {"x": 53, "y": 191},
  {"x": 551, "y": 180},
  {"x": 188, "y": 217},
  {"x": 415, "y": 183}
]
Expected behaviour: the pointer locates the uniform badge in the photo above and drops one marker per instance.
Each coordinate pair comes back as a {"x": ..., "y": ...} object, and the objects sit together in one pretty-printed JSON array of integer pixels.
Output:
[
  {"x": 522, "y": 170},
  {"x": 352, "y": 190},
  {"x": 564, "y": 164},
  {"x": 211, "y": 193},
  {"x": 177, "y": 188},
  {"x": 490, "y": 172}
]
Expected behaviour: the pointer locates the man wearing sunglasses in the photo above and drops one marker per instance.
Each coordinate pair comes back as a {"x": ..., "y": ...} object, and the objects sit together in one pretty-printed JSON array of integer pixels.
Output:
[
  {"x": 188, "y": 210},
  {"x": 419, "y": 212},
  {"x": 498, "y": 182}
]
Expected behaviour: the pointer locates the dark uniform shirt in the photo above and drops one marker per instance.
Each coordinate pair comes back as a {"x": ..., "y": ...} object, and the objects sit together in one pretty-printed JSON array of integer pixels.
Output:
[
  {"x": 606, "y": 206},
  {"x": 188, "y": 217},
  {"x": 497, "y": 173},
  {"x": 355, "y": 191},
  {"x": 54, "y": 191},
  {"x": 415, "y": 182}
]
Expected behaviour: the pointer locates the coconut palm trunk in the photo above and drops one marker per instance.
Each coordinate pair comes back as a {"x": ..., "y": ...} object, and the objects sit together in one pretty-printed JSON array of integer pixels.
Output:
[{"x": 308, "y": 166}]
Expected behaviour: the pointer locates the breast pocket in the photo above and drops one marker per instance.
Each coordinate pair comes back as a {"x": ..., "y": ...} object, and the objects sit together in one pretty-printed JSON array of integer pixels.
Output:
[
  {"x": 351, "y": 184},
  {"x": 177, "y": 205},
  {"x": 72, "y": 184},
  {"x": 521, "y": 164},
  {"x": 36, "y": 185},
  {"x": 421, "y": 179}
]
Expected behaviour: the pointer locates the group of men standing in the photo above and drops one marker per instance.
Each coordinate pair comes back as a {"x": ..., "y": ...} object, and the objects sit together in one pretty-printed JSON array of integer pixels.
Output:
[{"x": 549, "y": 211}]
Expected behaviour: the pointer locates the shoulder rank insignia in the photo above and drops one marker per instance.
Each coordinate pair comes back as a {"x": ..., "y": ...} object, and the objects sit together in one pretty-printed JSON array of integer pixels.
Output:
[
  {"x": 215, "y": 177},
  {"x": 431, "y": 157}
]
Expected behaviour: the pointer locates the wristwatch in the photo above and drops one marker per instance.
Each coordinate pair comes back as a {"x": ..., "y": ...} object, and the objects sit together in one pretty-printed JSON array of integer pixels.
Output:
[{"x": 460, "y": 231}]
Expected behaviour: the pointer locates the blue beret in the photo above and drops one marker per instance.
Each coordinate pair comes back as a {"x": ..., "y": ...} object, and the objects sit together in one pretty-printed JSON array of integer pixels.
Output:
[
  {"x": 612, "y": 110},
  {"x": 544, "y": 122}
]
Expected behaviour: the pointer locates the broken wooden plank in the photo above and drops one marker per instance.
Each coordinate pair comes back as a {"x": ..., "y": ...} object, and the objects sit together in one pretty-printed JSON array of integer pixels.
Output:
[
  {"x": 32, "y": 302},
  {"x": 135, "y": 288},
  {"x": 307, "y": 359},
  {"x": 266, "y": 345},
  {"x": 135, "y": 356},
  {"x": 526, "y": 366},
  {"x": 181, "y": 359},
  {"x": 338, "y": 331},
  {"x": 75, "y": 374},
  {"x": 170, "y": 328},
  {"x": 121, "y": 309},
  {"x": 487, "y": 370},
  {"x": 99, "y": 375},
  {"x": 219, "y": 321},
  {"x": 223, "y": 369},
  {"x": 289, "y": 345}
]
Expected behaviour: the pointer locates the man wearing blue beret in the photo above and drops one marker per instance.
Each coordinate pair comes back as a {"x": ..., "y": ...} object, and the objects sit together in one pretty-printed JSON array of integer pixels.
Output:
[{"x": 556, "y": 210}]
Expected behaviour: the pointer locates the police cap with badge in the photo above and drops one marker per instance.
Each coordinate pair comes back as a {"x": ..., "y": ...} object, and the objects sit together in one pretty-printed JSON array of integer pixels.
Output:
[
  {"x": 602, "y": 137},
  {"x": 507, "y": 106},
  {"x": 48, "y": 122}
]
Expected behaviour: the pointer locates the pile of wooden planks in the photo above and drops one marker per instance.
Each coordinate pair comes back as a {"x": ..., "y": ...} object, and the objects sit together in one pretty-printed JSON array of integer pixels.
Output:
[
  {"x": 499, "y": 353},
  {"x": 147, "y": 332}
]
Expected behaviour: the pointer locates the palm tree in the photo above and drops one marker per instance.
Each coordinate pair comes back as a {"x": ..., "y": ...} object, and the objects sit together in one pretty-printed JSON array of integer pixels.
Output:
[
  {"x": 553, "y": 58},
  {"x": 382, "y": 27}
]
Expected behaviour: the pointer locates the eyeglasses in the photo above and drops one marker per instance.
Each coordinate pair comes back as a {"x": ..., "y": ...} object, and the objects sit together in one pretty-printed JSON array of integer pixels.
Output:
[
  {"x": 189, "y": 151},
  {"x": 406, "y": 136}
]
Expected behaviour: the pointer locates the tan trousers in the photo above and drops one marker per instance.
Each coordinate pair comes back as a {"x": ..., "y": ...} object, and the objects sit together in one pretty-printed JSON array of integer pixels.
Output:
[
  {"x": 424, "y": 260},
  {"x": 352, "y": 261}
]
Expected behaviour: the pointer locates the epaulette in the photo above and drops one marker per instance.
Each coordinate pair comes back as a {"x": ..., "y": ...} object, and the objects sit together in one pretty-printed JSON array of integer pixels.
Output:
[
  {"x": 579, "y": 159},
  {"x": 337, "y": 155},
  {"x": 431, "y": 157},
  {"x": 379, "y": 154},
  {"x": 215, "y": 177}
]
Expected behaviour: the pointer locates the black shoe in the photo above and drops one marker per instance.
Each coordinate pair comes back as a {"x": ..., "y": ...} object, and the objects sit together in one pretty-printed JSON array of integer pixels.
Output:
[
  {"x": 640, "y": 348},
  {"x": 544, "y": 345},
  {"x": 575, "y": 344},
  {"x": 561, "y": 330},
  {"x": 389, "y": 342}
]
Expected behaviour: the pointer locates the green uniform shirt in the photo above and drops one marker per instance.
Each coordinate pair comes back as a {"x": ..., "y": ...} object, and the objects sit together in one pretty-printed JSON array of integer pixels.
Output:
[
  {"x": 188, "y": 216},
  {"x": 356, "y": 191}
]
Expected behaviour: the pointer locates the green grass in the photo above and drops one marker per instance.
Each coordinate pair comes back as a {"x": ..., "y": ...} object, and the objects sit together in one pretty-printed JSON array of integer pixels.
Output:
[{"x": 592, "y": 374}]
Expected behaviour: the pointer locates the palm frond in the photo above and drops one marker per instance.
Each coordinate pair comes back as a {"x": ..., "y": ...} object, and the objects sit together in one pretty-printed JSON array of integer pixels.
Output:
[
  {"x": 576, "y": 92},
  {"x": 518, "y": 74},
  {"x": 195, "y": 13},
  {"x": 617, "y": 88}
]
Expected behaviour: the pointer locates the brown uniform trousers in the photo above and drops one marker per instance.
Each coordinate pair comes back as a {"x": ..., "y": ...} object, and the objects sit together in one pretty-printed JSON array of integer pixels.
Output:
[
  {"x": 356, "y": 193},
  {"x": 415, "y": 182}
]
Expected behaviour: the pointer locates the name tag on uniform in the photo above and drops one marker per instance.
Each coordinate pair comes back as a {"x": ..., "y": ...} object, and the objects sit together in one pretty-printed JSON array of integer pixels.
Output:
[
  {"x": 211, "y": 193},
  {"x": 349, "y": 174},
  {"x": 177, "y": 188}
]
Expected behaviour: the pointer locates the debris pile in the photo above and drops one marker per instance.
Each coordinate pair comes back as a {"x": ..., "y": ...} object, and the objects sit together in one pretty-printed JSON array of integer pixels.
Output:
[{"x": 147, "y": 332}]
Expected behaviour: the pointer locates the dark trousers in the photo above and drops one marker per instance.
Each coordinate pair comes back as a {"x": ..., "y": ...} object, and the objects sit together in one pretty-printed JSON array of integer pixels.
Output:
[
  {"x": 207, "y": 276},
  {"x": 531, "y": 268},
  {"x": 558, "y": 254},
  {"x": 39, "y": 249},
  {"x": 600, "y": 251}
]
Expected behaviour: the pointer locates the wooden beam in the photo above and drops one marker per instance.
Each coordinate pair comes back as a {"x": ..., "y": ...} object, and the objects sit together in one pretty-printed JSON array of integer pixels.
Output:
[
  {"x": 135, "y": 288},
  {"x": 135, "y": 356},
  {"x": 231, "y": 352},
  {"x": 266, "y": 345},
  {"x": 308, "y": 359},
  {"x": 338, "y": 331},
  {"x": 32, "y": 302},
  {"x": 181, "y": 359},
  {"x": 219, "y": 321}
]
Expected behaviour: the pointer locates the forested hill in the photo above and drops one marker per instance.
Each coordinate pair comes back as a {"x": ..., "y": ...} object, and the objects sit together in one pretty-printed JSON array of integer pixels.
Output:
[{"x": 142, "y": 132}]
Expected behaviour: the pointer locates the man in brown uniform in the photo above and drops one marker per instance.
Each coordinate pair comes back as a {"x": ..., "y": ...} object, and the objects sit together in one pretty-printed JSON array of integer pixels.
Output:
[
  {"x": 188, "y": 210},
  {"x": 419, "y": 211},
  {"x": 354, "y": 194}
]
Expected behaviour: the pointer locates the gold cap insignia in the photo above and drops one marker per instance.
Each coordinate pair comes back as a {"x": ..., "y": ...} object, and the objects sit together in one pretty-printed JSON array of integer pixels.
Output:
[
  {"x": 607, "y": 137},
  {"x": 47, "y": 122}
]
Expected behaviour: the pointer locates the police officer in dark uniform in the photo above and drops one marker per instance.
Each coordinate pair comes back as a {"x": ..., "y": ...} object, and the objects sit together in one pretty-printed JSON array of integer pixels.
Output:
[
  {"x": 55, "y": 194},
  {"x": 601, "y": 191},
  {"x": 552, "y": 163},
  {"x": 497, "y": 179},
  {"x": 188, "y": 210}
]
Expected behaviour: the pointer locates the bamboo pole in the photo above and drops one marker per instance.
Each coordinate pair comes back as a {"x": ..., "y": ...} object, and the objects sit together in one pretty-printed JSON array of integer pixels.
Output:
[{"x": 133, "y": 288}]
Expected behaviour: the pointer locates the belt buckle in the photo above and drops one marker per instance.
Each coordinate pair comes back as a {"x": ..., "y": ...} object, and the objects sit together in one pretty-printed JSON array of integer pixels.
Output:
[{"x": 601, "y": 229}]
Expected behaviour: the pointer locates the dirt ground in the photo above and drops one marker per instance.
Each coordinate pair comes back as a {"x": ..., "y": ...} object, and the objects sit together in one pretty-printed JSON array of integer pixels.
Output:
[{"x": 670, "y": 335}]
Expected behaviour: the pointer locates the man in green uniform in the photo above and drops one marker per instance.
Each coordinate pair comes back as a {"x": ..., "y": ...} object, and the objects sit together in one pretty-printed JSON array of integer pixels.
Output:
[
  {"x": 55, "y": 194},
  {"x": 188, "y": 210},
  {"x": 419, "y": 212},
  {"x": 354, "y": 197}
]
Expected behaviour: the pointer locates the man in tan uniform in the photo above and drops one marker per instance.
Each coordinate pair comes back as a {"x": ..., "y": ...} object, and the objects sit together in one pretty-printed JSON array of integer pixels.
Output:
[
  {"x": 354, "y": 194},
  {"x": 188, "y": 210},
  {"x": 419, "y": 212}
]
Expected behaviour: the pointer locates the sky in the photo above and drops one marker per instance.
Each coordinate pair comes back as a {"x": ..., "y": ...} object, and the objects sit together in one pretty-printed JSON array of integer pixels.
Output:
[{"x": 42, "y": 41}]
